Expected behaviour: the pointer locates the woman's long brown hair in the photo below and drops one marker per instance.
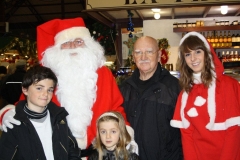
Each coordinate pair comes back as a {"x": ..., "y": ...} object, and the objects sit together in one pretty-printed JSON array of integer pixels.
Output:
[{"x": 186, "y": 73}]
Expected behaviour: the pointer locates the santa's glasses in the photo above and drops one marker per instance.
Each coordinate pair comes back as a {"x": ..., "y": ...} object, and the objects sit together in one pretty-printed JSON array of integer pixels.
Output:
[{"x": 72, "y": 44}]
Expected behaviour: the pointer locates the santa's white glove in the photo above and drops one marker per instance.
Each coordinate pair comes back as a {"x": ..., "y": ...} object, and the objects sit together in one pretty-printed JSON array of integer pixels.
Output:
[
  {"x": 134, "y": 147},
  {"x": 8, "y": 120}
]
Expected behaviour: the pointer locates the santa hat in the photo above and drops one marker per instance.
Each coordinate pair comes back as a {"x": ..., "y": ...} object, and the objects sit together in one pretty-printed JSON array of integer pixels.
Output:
[{"x": 58, "y": 31}]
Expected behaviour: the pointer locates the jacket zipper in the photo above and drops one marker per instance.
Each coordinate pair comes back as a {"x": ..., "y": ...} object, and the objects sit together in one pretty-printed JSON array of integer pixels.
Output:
[
  {"x": 14, "y": 152},
  {"x": 72, "y": 141},
  {"x": 63, "y": 147}
]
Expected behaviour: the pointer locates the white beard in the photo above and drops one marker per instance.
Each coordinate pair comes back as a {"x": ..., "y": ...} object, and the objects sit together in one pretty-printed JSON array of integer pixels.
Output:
[{"x": 77, "y": 79}]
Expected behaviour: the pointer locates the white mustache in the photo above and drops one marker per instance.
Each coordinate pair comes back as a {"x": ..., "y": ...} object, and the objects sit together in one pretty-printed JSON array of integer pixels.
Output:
[{"x": 143, "y": 61}]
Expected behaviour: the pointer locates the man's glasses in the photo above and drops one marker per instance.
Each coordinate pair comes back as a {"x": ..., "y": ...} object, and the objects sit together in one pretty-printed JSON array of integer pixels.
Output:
[
  {"x": 72, "y": 44},
  {"x": 140, "y": 53}
]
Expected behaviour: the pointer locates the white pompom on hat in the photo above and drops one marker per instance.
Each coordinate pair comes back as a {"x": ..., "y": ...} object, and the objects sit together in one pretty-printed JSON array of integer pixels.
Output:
[{"x": 58, "y": 31}]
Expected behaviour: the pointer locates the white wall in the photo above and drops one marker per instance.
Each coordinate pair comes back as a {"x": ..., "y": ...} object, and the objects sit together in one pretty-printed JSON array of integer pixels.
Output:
[{"x": 164, "y": 29}]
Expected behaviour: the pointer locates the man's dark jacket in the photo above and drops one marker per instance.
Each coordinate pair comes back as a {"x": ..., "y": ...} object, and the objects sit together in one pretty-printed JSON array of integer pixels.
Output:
[
  {"x": 23, "y": 143},
  {"x": 150, "y": 113},
  {"x": 12, "y": 88}
]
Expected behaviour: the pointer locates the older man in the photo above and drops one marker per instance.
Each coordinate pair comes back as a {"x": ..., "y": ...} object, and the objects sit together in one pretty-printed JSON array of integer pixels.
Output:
[
  {"x": 86, "y": 87},
  {"x": 150, "y": 96}
]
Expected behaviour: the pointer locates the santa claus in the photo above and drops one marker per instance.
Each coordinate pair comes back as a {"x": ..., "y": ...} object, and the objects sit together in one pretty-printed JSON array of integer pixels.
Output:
[{"x": 86, "y": 87}]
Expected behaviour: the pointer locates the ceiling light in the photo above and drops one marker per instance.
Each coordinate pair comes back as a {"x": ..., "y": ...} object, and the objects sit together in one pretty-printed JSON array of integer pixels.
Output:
[
  {"x": 157, "y": 15},
  {"x": 224, "y": 9},
  {"x": 156, "y": 10}
]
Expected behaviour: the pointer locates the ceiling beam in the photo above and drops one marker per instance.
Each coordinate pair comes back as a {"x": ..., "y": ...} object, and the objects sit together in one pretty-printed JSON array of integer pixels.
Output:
[
  {"x": 206, "y": 11},
  {"x": 238, "y": 12},
  {"x": 139, "y": 13},
  {"x": 52, "y": 13},
  {"x": 173, "y": 13},
  {"x": 34, "y": 11},
  {"x": 52, "y": 4},
  {"x": 15, "y": 7},
  {"x": 100, "y": 18},
  {"x": 108, "y": 16}
]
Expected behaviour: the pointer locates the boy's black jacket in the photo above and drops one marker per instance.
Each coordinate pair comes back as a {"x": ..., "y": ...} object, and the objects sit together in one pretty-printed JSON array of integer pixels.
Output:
[{"x": 22, "y": 142}]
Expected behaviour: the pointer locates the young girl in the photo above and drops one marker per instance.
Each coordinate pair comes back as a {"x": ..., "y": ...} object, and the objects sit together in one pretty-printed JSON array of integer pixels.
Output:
[
  {"x": 208, "y": 108},
  {"x": 112, "y": 141}
]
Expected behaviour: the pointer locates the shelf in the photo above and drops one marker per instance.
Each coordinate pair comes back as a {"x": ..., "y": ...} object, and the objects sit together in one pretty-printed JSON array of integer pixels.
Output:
[
  {"x": 233, "y": 47},
  {"x": 206, "y": 28}
]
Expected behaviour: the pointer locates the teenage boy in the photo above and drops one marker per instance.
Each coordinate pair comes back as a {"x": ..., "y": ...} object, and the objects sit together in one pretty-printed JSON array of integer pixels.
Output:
[{"x": 43, "y": 133}]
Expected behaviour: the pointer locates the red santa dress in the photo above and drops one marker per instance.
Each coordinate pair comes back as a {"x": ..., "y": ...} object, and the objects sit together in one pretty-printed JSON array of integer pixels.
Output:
[{"x": 209, "y": 118}]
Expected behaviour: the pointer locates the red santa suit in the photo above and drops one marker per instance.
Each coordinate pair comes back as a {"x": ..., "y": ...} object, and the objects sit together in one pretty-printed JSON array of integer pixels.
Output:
[
  {"x": 209, "y": 118},
  {"x": 108, "y": 99},
  {"x": 88, "y": 98}
]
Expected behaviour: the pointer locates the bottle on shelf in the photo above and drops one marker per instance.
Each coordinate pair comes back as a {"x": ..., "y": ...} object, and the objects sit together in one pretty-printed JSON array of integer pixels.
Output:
[
  {"x": 227, "y": 56},
  {"x": 223, "y": 57},
  {"x": 203, "y": 34},
  {"x": 219, "y": 56},
  {"x": 212, "y": 40},
  {"x": 208, "y": 37},
  {"x": 233, "y": 40},
  {"x": 225, "y": 40},
  {"x": 229, "y": 39},
  {"x": 231, "y": 57},
  {"x": 238, "y": 39},
  {"x": 216, "y": 40},
  {"x": 221, "y": 39},
  {"x": 236, "y": 56}
]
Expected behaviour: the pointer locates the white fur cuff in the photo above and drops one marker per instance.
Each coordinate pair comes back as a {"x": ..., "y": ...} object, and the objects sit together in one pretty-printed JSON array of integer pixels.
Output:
[
  {"x": 7, "y": 107},
  {"x": 130, "y": 131}
]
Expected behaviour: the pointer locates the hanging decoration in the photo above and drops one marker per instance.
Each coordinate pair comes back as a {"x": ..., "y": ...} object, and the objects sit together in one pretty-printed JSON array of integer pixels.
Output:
[
  {"x": 164, "y": 46},
  {"x": 105, "y": 36},
  {"x": 130, "y": 24}
]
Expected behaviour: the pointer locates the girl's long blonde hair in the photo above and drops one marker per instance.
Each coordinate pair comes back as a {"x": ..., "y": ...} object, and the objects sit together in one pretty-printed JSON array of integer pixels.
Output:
[{"x": 124, "y": 138}]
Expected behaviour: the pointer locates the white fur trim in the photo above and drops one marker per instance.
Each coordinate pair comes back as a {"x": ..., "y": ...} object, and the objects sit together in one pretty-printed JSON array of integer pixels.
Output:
[
  {"x": 211, "y": 105},
  {"x": 199, "y": 101},
  {"x": 176, "y": 124},
  {"x": 194, "y": 34},
  {"x": 225, "y": 125},
  {"x": 183, "y": 105},
  {"x": 71, "y": 34},
  {"x": 7, "y": 107},
  {"x": 82, "y": 142},
  {"x": 130, "y": 131},
  {"x": 192, "y": 112},
  {"x": 198, "y": 35}
]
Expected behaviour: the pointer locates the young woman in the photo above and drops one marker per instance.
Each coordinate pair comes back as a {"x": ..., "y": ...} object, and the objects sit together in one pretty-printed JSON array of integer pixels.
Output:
[
  {"x": 112, "y": 141},
  {"x": 208, "y": 108}
]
